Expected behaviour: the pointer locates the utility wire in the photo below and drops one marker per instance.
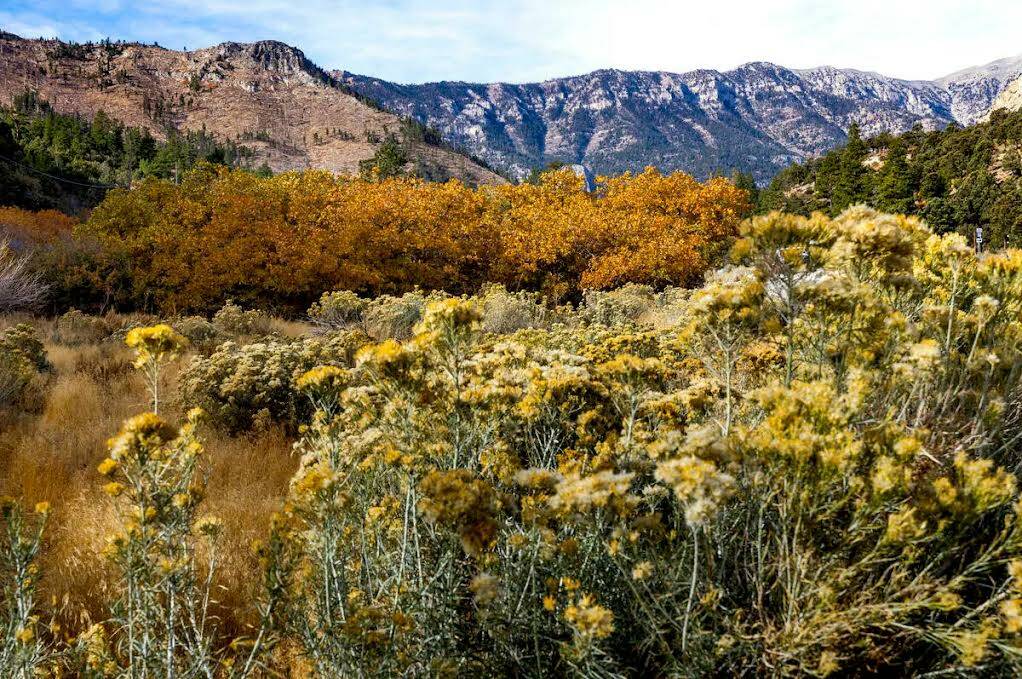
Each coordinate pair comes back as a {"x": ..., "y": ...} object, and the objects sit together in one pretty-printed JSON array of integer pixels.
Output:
[{"x": 59, "y": 179}]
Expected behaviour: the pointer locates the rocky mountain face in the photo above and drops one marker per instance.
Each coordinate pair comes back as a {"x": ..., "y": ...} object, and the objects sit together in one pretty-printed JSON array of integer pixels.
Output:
[
  {"x": 759, "y": 117},
  {"x": 974, "y": 90},
  {"x": 267, "y": 96},
  {"x": 1010, "y": 98}
]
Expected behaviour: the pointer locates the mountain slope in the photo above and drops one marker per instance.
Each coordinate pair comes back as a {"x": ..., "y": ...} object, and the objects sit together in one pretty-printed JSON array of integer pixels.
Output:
[
  {"x": 973, "y": 90},
  {"x": 956, "y": 179},
  {"x": 266, "y": 95},
  {"x": 1010, "y": 98},
  {"x": 759, "y": 117}
]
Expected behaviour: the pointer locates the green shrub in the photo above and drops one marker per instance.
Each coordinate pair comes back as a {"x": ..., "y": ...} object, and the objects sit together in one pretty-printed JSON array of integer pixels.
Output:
[
  {"x": 23, "y": 365},
  {"x": 232, "y": 320},
  {"x": 16, "y": 374},
  {"x": 74, "y": 328},
  {"x": 505, "y": 312},
  {"x": 24, "y": 338},
  {"x": 242, "y": 385},
  {"x": 628, "y": 303},
  {"x": 202, "y": 334},
  {"x": 337, "y": 310},
  {"x": 395, "y": 317}
]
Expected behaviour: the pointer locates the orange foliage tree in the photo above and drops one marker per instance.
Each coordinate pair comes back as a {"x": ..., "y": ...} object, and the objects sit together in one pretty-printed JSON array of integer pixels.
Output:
[
  {"x": 34, "y": 228},
  {"x": 282, "y": 241}
]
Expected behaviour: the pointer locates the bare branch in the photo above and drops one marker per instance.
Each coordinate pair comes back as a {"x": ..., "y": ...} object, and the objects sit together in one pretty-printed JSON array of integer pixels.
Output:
[{"x": 20, "y": 287}]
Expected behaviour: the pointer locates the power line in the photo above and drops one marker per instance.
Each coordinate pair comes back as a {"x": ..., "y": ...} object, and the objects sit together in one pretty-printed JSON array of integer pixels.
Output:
[{"x": 59, "y": 179}]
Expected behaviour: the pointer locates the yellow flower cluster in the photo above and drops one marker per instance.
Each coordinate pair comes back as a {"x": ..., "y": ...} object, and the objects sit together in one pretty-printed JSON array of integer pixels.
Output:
[
  {"x": 603, "y": 490},
  {"x": 155, "y": 344},
  {"x": 589, "y": 619},
  {"x": 698, "y": 484},
  {"x": 458, "y": 499}
]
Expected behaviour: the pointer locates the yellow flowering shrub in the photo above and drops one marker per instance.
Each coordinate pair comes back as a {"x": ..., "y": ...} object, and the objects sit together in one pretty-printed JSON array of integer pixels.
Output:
[
  {"x": 164, "y": 555},
  {"x": 23, "y": 649},
  {"x": 154, "y": 346},
  {"x": 234, "y": 321},
  {"x": 238, "y": 385},
  {"x": 23, "y": 366},
  {"x": 807, "y": 466},
  {"x": 337, "y": 310},
  {"x": 801, "y": 469}
]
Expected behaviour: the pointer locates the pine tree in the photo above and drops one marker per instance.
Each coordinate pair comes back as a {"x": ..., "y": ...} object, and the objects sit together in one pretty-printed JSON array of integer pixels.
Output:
[
  {"x": 850, "y": 184},
  {"x": 746, "y": 182},
  {"x": 388, "y": 161},
  {"x": 895, "y": 185}
]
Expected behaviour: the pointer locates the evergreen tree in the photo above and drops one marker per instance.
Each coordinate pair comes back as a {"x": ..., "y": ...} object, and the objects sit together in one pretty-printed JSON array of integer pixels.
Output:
[
  {"x": 388, "y": 161},
  {"x": 85, "y": 157},
  {"x": 746, "y": 182},
  {"x": 956, "y": 178},
  {"x": 850, "y": 184},
  {"x": 895, "y": 191}
]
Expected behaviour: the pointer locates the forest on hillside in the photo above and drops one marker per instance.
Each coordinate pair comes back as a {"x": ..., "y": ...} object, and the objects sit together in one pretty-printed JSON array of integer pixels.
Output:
[
  {"x": 50, "y": 160},
  {"x": 955, "y": 179}
]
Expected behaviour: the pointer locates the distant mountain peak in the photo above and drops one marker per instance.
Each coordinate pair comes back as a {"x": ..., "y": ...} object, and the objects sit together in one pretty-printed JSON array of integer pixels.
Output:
[
  {"x": 1005, "y": 70},
  {"x": 757, "y": 117}
]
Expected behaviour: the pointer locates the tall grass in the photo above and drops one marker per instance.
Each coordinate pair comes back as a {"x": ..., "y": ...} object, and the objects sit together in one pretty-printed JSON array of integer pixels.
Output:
[{"x": 51, "y": 455}]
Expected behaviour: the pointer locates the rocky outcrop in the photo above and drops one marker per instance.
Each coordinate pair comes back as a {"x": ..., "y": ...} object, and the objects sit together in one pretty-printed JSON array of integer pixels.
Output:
[
  {"x": 1010, "y": 98},
  {"x": 266, "y": 96}
]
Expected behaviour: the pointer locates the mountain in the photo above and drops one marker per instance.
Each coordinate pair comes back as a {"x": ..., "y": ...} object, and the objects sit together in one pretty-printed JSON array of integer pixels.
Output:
[
  {"x": 759, "y": 117},
  {"x": 973, "y": 90},
  {"x": 1010, "y": 98},
  {"x": 266, "y": 95}
]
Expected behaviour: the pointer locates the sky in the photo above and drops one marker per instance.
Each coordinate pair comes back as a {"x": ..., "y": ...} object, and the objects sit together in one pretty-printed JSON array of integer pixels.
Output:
[{"x": 413, "y": 41}]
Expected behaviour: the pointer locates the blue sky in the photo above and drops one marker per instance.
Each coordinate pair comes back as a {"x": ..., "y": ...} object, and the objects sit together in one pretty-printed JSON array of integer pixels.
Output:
[{"x": 526, "y": 40}]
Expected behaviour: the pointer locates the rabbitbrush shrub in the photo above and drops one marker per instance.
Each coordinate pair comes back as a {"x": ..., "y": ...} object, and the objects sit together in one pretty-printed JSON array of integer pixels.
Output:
[
  {"x": 75, "y": 327},
  {"x": 161, "y": 621},
  {"x": 23, "y": 365},
  {"x": 813, "y": 472},
  {"x": 813, "y": 475},
  {"x": 238, "y": 384},
  {"x": 337, "y": 310}
]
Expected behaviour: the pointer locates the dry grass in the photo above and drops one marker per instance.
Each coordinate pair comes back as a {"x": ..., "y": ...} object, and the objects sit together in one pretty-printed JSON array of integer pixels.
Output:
[
  {"x": 247, "y": 483},
  {"x": 52, "y": 455}
]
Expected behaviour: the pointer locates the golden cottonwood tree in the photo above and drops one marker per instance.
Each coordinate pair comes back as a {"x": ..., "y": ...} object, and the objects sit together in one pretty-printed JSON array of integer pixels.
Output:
[{"x": 284, "y": 240}]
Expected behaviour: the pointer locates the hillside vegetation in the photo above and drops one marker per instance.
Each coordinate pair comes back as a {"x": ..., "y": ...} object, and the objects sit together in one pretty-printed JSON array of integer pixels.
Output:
[
  {"x": 65, "y": 162},
  {"x": 805, "y": 466},
  {"x": 955, "y": 179}
]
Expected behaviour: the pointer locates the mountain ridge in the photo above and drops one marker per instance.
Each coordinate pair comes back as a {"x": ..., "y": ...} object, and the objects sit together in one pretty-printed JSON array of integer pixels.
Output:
[
  {"x": 266, "y": 95},
  {"x": 757, "y": 117}
]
